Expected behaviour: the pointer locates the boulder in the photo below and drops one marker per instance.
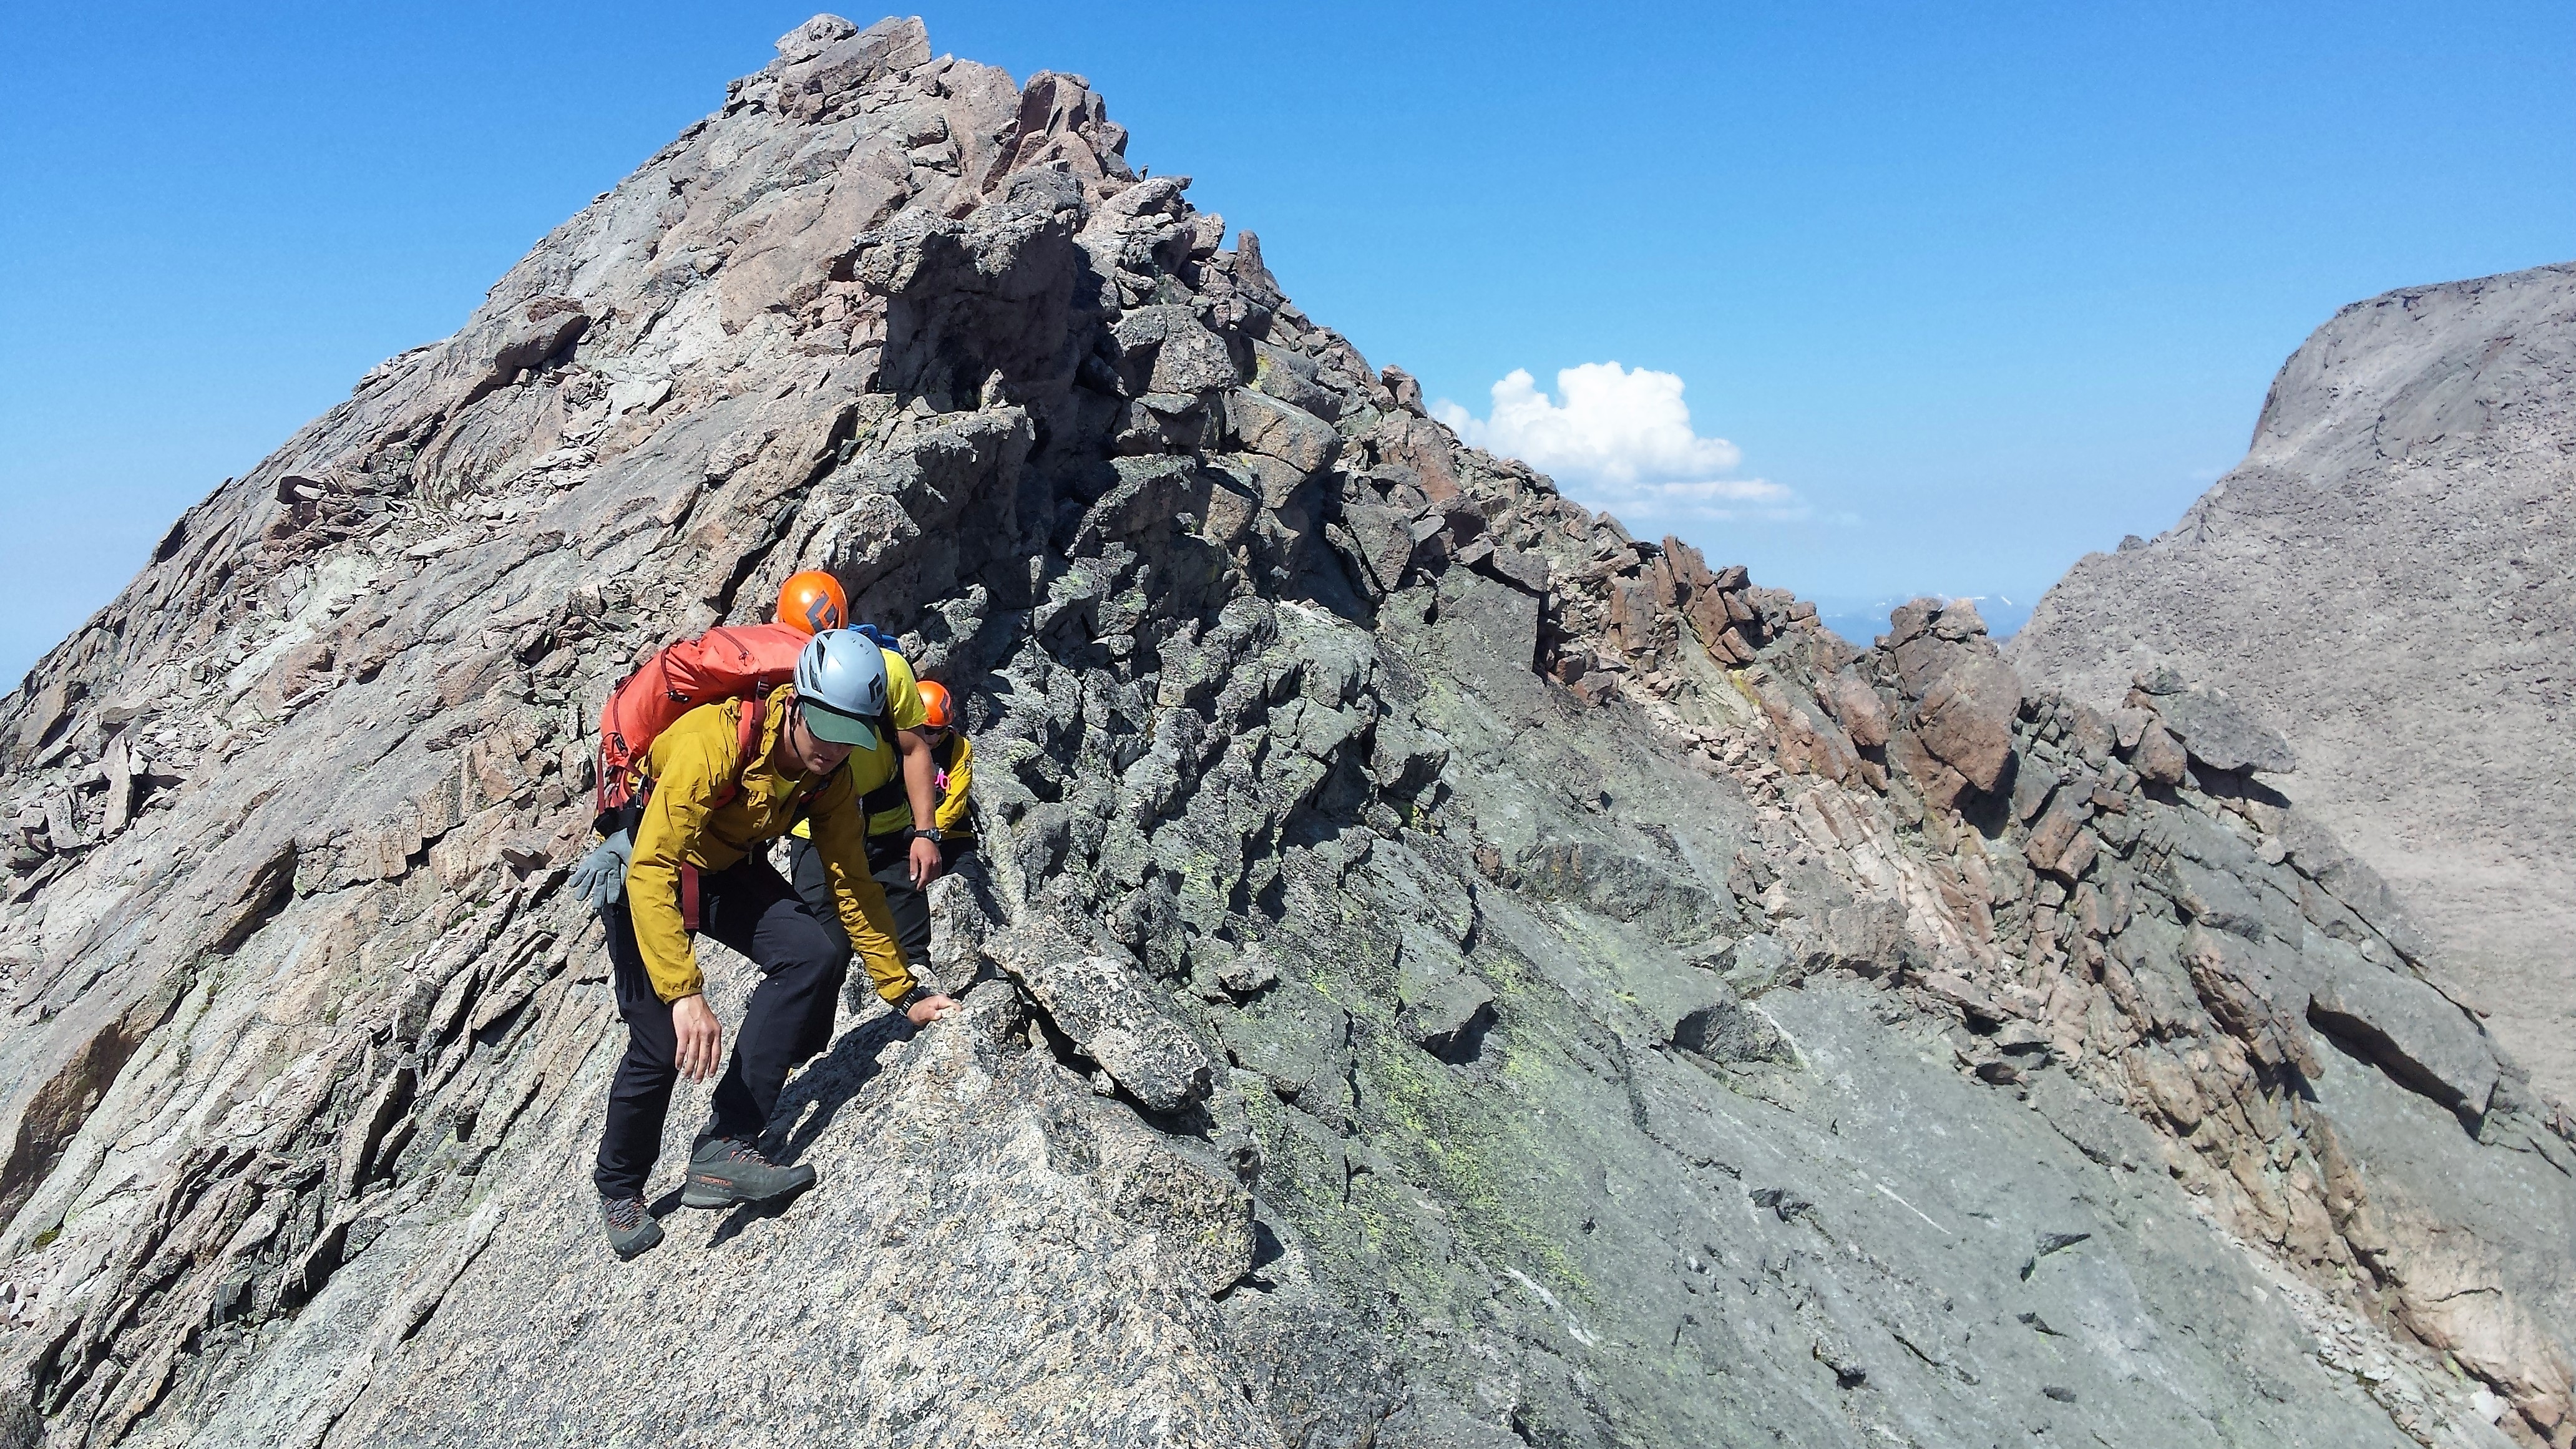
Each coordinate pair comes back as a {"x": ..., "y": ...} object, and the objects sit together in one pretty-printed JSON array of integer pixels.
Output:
[
  {"x": 1446, "y": 1015},
  {"x": 1527, "y": 572},
  {"x": 1201, "y": 1217},
  {"x": 1940, "y": 786},
  {"x": 1856, "y": 707},
  {"x": 1379, "y": 541},
  {"x": 47, "y": 712},
  {"x": 1731, "y": 1032},
  {"x": 1281, "y": 430},
  {"x": 1493, "y": 629},
  {"x": 1249, "y": 973},
  {"x": 2056, "y": 832},
  {"x": 1965, "y": 717},
  {"x": 2219, "y": 732},
  {"x": 966, "y": 299},
  {"x": 1096, "y": 1001},
  {"x": 2412, "y": 1031},
  {"x": 2033, "y": 783},
  {"x": 2159, "y": 758},
  {"x": 1965, "y": 996},
  {"x": 1167, "y": 349}
]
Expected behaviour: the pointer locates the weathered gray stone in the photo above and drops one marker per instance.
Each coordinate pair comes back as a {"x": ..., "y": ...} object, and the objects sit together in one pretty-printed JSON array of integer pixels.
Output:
[
  {"x": 1167, "y": 350},
  {"x": 1627, "y": 888},
  {"x": 1282, "y": 430},
  {"x": 1382, "y": 541},
  {"x": 1524, "y": 571},
  {"x": 1731, "y": 1031},
  {"x": 1096, "y": 1001},
  {"x": 2221, "y": 734},
  {"x": 2408, "y": 1028},
  {"x": 1250, "y": 971},
  {"x": 2033, "y": 783},
  {"x": 1201, "y": 1218},
  {"x": 1754, "y": 964},
  {"x": 1447, "y": 1016},
  {"x": 1291, "y": 377},
  {"x": 1499, "y": 622},
  {"x": 2213, "y": 897}
]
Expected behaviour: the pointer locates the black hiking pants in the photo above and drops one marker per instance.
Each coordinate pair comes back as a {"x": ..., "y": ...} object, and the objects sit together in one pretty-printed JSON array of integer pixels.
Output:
[
  {"x": 892, "y": 867},
  {"x": 752, "y": 911}
]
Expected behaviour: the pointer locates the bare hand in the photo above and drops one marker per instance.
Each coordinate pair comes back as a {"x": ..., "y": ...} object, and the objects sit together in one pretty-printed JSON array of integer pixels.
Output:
[
  {"x": 925, "y": 863},
  {"x": 931, "y": 1008},
  {"x": 700, "y": 1038}
]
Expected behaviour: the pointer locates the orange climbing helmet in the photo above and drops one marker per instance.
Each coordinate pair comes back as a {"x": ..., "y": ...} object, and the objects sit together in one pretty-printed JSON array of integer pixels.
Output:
[
  {"x": 935, "y": 713},
  {"x": 812, "y": 602}
]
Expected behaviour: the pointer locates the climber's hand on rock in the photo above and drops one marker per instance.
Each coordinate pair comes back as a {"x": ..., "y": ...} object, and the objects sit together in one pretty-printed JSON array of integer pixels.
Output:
[
  {"x": 925, "y": 863},
  {"x": 931, "y": 1008},
  {"x": 700, "y": 1040}
]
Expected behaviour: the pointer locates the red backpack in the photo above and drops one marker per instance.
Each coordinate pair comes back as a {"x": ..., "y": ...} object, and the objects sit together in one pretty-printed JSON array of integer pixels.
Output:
[{"x": 742, "y": 662}]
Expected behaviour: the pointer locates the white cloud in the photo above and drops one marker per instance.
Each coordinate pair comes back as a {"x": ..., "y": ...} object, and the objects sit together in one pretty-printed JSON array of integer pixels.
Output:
[{"x": 1621, "y": 439}]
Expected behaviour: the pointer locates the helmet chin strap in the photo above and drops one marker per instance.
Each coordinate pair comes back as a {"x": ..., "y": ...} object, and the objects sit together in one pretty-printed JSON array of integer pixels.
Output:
[{"x": 798, "y": 736}]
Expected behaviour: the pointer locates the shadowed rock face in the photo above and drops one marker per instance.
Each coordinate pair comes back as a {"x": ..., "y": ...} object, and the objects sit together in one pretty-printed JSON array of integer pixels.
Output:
[
  {"x": 2383, "y": 580},
  {"x": 1447, "y": 973}
]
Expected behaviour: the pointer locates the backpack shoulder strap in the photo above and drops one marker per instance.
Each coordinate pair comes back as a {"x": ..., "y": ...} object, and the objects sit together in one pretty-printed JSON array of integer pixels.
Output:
[
  {"x": 893, "y": 792},
  {"x": 746, "y": 734}
]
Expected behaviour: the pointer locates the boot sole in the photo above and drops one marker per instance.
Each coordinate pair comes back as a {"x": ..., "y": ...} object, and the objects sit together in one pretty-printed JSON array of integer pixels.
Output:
[{"x": 698, "y": 1194}]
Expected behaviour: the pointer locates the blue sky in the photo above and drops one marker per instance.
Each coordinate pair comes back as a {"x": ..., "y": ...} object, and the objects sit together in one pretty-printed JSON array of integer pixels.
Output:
[{"x": 1968, "y": 290}]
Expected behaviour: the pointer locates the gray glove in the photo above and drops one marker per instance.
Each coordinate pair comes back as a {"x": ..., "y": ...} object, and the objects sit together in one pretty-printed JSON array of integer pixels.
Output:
[{"x": 601, "y": 877}]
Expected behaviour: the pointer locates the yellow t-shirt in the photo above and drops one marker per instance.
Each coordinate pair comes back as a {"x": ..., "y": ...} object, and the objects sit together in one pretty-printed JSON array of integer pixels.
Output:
[
  {"x": 949, "y": 811},
  {"x": 903, "y": 696},
  {"x": 903, "y": 702}
]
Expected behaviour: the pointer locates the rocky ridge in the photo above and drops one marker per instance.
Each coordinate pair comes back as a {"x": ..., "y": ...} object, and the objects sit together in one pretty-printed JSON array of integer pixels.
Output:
[
  {"x": 2383, "y": 580},
  {"x": 1449, "y": 974}
]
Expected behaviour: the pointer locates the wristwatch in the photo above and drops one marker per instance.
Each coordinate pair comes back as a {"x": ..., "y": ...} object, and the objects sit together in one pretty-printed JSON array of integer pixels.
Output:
[
  {"x": 932, "y": 835},
  {"x": 912, "y": 998}
]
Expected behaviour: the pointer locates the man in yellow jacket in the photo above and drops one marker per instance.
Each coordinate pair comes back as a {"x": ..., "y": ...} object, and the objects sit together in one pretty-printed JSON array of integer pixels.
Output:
[{"x": 725, "y": 780}]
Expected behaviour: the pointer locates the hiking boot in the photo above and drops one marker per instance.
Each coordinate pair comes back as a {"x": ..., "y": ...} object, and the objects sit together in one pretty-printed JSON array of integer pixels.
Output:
[
  {"x": 723, "y": 1172},
  {"x": 631, "y": 1229}
]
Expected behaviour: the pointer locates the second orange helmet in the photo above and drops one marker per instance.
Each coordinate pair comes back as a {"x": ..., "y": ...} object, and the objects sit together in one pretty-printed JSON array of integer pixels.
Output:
[
  {"x": 812, "y": 602},
  {"x": 934, "y": 705}
]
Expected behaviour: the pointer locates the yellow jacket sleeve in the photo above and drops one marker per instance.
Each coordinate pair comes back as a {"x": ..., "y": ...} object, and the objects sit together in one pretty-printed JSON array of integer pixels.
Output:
[
  {"x": 951, "y": 818},
  {"x": 688, "y": 769},
  {"x": 840, "y": 837}
]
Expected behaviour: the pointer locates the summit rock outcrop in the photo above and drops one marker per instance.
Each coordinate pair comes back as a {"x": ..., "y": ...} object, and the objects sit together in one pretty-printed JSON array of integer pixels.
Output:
[
  {"x": 2384, "y": 581},
  {"x": 1446, "y": 973}
]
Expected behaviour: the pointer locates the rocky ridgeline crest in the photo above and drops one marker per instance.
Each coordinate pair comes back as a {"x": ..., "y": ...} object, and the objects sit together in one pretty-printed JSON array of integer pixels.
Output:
[{"x": 1452, "y": 974}]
